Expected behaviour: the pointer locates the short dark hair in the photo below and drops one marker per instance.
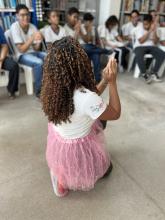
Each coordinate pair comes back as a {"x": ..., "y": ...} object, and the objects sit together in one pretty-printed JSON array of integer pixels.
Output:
[
  {"x": 147, "y": 18},
  {"x": 72, "y": 11},
  {"x": 112, "y": 20},
  {"x": 135, "y": 11},
  {"x": 88, "y": 17},
  {"x": 51, "y": 11},
  {"x": 20, "y": 7}
]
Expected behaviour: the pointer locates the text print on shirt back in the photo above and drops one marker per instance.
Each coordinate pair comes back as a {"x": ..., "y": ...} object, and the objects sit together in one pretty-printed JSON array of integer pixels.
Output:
[{"x": 96, "y": 108}]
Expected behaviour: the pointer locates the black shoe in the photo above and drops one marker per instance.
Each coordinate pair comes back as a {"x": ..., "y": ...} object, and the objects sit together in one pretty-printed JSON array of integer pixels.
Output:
[
  {"x": 104, "y": 124},
  {"x": 147, "y": 78},
  {"x": 108, "y": 171},
  {"x": 38, "y": 95},
  {"x": 11, "y": 96}
]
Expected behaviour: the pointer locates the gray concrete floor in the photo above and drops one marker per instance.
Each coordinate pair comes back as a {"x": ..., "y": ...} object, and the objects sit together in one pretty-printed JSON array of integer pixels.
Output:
[{"x": 134, "y": 191}]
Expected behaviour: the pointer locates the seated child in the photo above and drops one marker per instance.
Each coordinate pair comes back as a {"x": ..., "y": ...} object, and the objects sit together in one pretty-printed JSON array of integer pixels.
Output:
[
  {"x": 75, "y": 29},
  {"x": 27, "y": 40},
  {"x": 53, "y": 31},
  {"x": 112, "y": 40}
]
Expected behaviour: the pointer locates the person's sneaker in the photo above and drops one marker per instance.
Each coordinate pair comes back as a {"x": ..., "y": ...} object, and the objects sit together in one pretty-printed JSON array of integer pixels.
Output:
[
  {"x": 147, "y": 78},
  {"x": 38, "y": 95},
  {"x": 155, "y": 78},
  {"x": 11, "y": 96},
  {"x": 57, "y": 187}
]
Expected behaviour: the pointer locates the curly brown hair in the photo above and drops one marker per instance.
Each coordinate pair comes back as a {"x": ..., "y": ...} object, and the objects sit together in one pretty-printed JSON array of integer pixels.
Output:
[{"x": 66, "y": 68}]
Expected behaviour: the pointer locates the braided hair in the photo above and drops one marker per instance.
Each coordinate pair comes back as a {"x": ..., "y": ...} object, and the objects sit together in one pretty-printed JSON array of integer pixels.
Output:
[{"x": 66, "y": 68}]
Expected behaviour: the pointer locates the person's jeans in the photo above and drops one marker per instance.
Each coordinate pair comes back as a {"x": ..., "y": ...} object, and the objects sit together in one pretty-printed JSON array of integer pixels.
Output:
[
  {"x": 94, "y": 53},
  {"x": 121, "y": 54},
  {"x": 34, "y": 60},
  {"x": 13, "y": 68}
]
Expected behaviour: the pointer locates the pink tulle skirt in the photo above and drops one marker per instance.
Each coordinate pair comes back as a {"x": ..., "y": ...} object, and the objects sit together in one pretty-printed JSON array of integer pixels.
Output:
[{"x": 77, "y": 163}]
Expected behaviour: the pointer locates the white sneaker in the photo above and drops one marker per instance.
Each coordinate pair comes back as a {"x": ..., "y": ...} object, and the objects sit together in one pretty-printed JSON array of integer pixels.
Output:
[
  {"x": 155, "y": 78},
  {"x": 58, "y": 189},
  {"x": 17, "y": 93}
]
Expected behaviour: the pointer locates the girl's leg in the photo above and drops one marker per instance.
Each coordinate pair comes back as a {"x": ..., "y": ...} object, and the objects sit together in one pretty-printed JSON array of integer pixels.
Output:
[{"x": 57, "y": 187}]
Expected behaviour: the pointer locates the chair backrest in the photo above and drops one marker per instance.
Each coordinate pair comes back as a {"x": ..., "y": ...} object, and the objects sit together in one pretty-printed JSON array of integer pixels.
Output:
[
  {"x": 44, "y": 45},
  {"x": 10, "y": 42}
]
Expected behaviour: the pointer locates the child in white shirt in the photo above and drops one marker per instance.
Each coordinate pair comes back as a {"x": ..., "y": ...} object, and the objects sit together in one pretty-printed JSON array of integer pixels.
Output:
[
  {"x": 128, "y": 28},
  {"x": 84, "y": 33},
  {"x": 27, "y": 40},
  {"x": 53, "y": 31},
  {"x": 112, "y": 40}
]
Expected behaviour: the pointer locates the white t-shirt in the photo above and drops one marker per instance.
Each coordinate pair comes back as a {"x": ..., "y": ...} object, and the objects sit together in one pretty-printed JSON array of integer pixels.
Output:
[
  {"x": 128, "y": 28},
  {"x": 88, "y": 107},
  {"x": 81, "y": 41},
  {"x": 69, "y": 31},
  {"x": 161, "y": 35},
  {"x": 50, "y": 36},
  {"x": 110, "y": 37},
  {"x": 138, "y": 33},
  {"x": 19, "y": 36}
]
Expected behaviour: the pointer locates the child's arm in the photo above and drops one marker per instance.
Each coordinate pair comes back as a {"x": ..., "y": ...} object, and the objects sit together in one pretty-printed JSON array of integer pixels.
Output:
[
  {"x": 119, "y": 38},
  {"x": 155, "y": 37},
  {"x": 87, "y": 34},
  {"x": 113, "y": 110},
  {"x": 3, "y": 52},
  {"x": 37, "y": 41},
  {"x": 144, "y": 37},
  {"x": 102, "y": 85}
]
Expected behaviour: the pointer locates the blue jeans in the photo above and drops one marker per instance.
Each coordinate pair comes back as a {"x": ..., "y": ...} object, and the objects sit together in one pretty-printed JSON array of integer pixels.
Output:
[
  {"x": 34, "y": 60},
  {"x": 94, "y": 54}
]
